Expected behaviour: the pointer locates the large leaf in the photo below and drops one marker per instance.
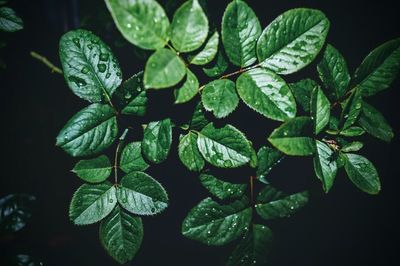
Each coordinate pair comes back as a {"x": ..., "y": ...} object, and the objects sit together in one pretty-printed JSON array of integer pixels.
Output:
[
  {"x": 188, "y": 90},
  {"x": 362, "y": 173},
  {"x": 379, "y": 68},
  {"x": 334, "y": 73},
  {"x": 89, "y": 66},
  {"x": 142, "y": 22},
  {"x": 292, "y": 137},
  {"x": 131, "y": 158},
  {"x": 189, "y": 153},
  {"x": 121, "y": 235},
  {"x": 325, "y": 165},
  {"x": 15, "y": 212},
  {"x": 92, "y": 203},
  {"x": 218, "y": 68},
  {"x": 240, "y": 31},
  {"x": 267, "y": 157},
  {"x": 225, "y": 147},
  {"x": 375, "y": 123},
  {"x": 351, "y": 110},
  {"x": 189, "y": 28},
  {"x": 222, "y": 189},
  {"x": 94, "y": 170},
  {"x": 208, "y": 53},
  {"x": 219, "y": 96},
  {"x": 292, "y": 40},
  {"x": 302, "y": 91},
  {"x": 90, "y": 131},
  {"x": 163, "y": 69},
  {"x": 157, "y": 139},
  {"x": 9, "y": 20},
  {"x": 266, "y": 93},
  {"x": 216, "y": 225},
  {"x": 320, "y": 109},
  {"x": 141, "y": 194}
]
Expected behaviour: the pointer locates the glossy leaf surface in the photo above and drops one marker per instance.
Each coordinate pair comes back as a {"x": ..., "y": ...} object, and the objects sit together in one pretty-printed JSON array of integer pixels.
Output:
[
  {"x": 94, "y": 170},
  {"x": 222, "y": 189}
]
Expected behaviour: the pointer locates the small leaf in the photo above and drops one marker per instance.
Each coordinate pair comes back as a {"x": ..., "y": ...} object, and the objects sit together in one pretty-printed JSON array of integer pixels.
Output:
[
  {"x": 352, "y": 146},
  {"x": 131, "y": 158},
  {"x": 240, "y": 31},
  {"x": 89, "y": 66},
  {"x": 219, "y": 96},
  {"x": 362, "y": 173},
  {"x": 266, "y": 93},
  {"x": 198, "y": 120},
  {"x": 222, "y": 189},
  {"x": 189, "y": 27},
  {"x": 379, "y": 68},
  {"x": 163, "y": 69},
  {"x": 352, "y": 132},
  {"x": 189, "y": 153},
  {"x": 208, "y": 53},
  {"x": 320, "y": 110},
  {"x": 9, "y": 21},
  {"x": 351, "y": 110},
  {"x": 157, "y": 139},
  {"x": 269, "y": 193},
  {"x": 334, "y": 73},
  {"x": 375, "y": 123},
  {"x": 219, "y": 67},
  {"x": 225, "y": 147},
  {"x": 89, "y": 132},
  {"x": 216, "y": 225},
  {"x": 188, "y": 90},
  {"x": 302, "y": 91},
  {"x": 92, "y": 203},
  {"x": 121, "y": 235},
  {"x": 15, "y": 212},
  {"x": 142, "y": 22},
  {"x": 325, "y": 166},
  {"x": 94, "y": 170},
  {"x": 141, "y": 194},
  {"x": 292, "y": 40},
  {"x": 292, "y": 137},
  {"x": 267, "y": 158}
]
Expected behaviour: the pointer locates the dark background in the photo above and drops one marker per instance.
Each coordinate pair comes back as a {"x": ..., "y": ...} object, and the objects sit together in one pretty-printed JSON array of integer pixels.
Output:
[{"x": 345, "y": 227}]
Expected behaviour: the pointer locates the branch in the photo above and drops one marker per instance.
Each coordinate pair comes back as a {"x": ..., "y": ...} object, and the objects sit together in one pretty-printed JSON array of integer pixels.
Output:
[{"x": 45, "y": 61}]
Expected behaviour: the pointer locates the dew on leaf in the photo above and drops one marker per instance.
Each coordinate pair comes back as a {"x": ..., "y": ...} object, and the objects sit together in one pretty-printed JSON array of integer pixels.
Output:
[{"x": 102, "y": 68}]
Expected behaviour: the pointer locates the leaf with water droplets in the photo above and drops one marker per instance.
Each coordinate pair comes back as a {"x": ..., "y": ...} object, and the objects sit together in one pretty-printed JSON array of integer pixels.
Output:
[
  {"x": 222, "y": 189},
  {"x": 94, "y": 170},
  {"x": 141, "y": 194},
  {"x": 351, "y": 110},
  {"x": 292, "y": 40},
  {"x": 189, "y": 153},
  {"x": 320, "y": 109},
  {"x": 240, "y": 31},
  {"x": 208, "y": 53},
  {"x": 224, "y": 147},
  {"x": 157, "y": 139},
  {"x": 189, "y": 89},
  {"x": 88, "y": 75},
  {"x": 89, "y": 132},
  {"x": 302, "y": 91},
  {"x": 15, "y": 212},
  {"x": 92, "y": 203},
  {"x": 325, "y": 166},
  {"x": 219, "y": 66},
  {"x": 216, "y": 225},
  {"x": 121, "y": 234},
  {"x": 142, "y": 22},
  {"x": 267, "y": 158},
  {"x": 293, "y": 137},
  {"x": 362, "y": 173},
  {"x": 131, "y": 158},
  {"x": 352, "y": 146},
  {"x": 9, "y": 20}
]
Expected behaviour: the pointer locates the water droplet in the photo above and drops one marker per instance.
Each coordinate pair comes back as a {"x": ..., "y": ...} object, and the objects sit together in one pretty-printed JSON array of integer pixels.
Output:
[
  {"x": 108, "y": 75},
  {"x": 77, "y": 80},
  {"x": 128, "y": 95},
  {"x": 129, "y": 25},
  {"x": 208, "y": 232},
  {"x": 137, "y": 27},
  {"x": 102, "y": 68},
  {"x": 285, "y": 133},
  {"x": 104, "y": 56},
  {"x": 291, "y": 207},
  {"x": 89, "y": 46},
  {"x": 119, "y": 74},
  {"x": 110, "y": 200},
  {"x": 358, "y": 105},
  {"x": 85, "y": 70},
  {"x": 77, "y": 42},
  {"x": 153, "y": 209},
  {"x": 228, "y": 164}
]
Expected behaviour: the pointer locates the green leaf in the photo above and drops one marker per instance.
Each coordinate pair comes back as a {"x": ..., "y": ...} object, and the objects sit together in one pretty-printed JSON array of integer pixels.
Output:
[
  {"x": 157, "y": 139},
  {"x": 198, "y": 120},
  {"x": 362, "y": 173},
  {"x": 216, "y": 225},
  {"x": 89, "y": 66},
  {"x": 240, "y": 31},
  {"x": 253, "y": 248},
  {"x": 379, "y": 68},
  {"x": 208, "y": 53},
  {"x": 351, "y": 110},
  {"x": 142, "y": 22},
  {"x": 266, "y": 93},
  {"x": 15, "y": 212},
  {"x": 302, "y": 91},
  {"x": 352, "y": 146},
  {"x": 352, "y": 131},
  {"x": 189, "y": 153},
  {"x": 9, "y": 20},
  {"x": 320, "y": 109},
  {"x": 269, "y": 193},
  {"x": 292, "y": 137},
  {"x": 219, "y": 96},
  {"x": 94, "y": 170},
  {"x": 131, "y": 158},
  {"x": 225, "y": 147},
  {"x": 163, "y": 69},
  {"x": 141, "y": 194},
  {"x": 92, "y": 203},
  {"x": 292, "y": 40},
  {"x": 334, "y": 73},
  {"x": 375, "y": 123},
  {"x": 189, "y": 27},
  {"x": 325, "y": 166},
  {"x": 90, "y": 131},
  {"x": 219, "y": 67},
  {"x": 121, "y": 235},
  {"x": 188, "y": 90},
  {"x": 131, "y": 97},
  {"x": 267, "y": 158},
  {"x": 222, "y": 189}
]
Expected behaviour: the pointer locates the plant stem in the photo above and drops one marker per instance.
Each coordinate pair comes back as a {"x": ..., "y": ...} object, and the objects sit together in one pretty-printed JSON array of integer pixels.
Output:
[
  {"x": 252, "y": 189},
  {"x": 120, "y": 141},
  {"x": 45, "y": 61},
  {"x": 239, "y": 71}
]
